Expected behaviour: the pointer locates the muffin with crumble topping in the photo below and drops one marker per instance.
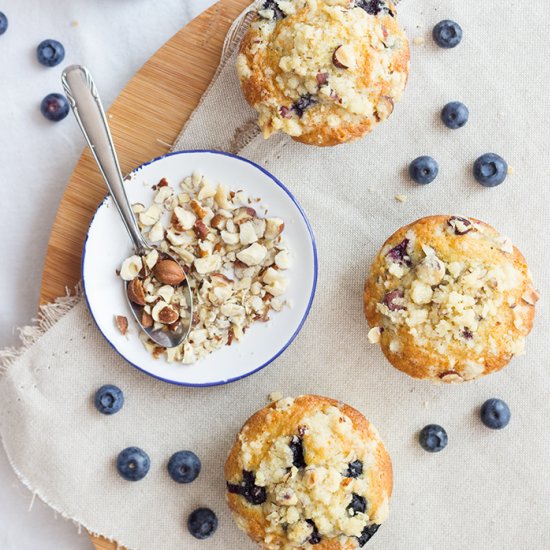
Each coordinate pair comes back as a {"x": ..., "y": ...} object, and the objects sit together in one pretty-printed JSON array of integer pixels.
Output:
[
  {"x": 309, "y": 471},
  {"x": 323, "y": 71},
  {"x": 449, "y": 299}
]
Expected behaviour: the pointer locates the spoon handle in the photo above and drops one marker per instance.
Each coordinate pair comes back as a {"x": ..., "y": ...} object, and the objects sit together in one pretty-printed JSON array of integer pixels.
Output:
[{"x": 84, "y": 99}]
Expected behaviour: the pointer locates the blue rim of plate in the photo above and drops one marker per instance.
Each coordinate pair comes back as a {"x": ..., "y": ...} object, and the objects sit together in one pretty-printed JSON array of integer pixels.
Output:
[{"x": 311, "y": 297}]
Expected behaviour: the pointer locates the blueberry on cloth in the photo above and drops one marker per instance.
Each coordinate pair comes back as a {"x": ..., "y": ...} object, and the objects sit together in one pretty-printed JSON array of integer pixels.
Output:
[
  {"x": 50, "y": 52},
  {"x": 447, "y": 34},
  {"x": 355, "y": 469},
  {"x": 455, "y": 115},
  {"x": 108, "y": 399},
  {"x": 367, "y": 534},
  {"x": 55, "y": 107},
  {"x": 3, "y": 23},
  {"x": 184, "y": 466},
  {"x": 495, "y": 414},
  {"x": 133, "y": 463},
  {"x": 433, "y": 438},
  {"x": 202, "y": 523},
  {"x": 490, "y": 170},
  {"x": 423, "y": 170}
]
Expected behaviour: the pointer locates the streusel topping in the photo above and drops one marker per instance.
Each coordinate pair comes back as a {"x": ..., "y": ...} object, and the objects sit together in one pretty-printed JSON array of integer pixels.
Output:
[
  {"x": 323, "y": 62},
  {"x": 313, "y": 483},
  {"x": 447, "y": 290}
]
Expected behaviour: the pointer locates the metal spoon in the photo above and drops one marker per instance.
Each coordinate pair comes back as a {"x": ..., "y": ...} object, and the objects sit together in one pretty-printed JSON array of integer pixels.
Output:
[{"x": 87, "y": 108}]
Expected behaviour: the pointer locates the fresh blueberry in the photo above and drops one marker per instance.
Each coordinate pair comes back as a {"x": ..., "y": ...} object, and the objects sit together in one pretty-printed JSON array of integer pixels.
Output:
[
  {"x": 55, "y": 107},
  {"x": 455, "y": 115},
  {"x": 357, "y": 505},
  {"x": 367, "y": 534},
  {"x": 490, "y": 170},
  {"x": 109, "y": 399},
  {"x": 3, "y": 23},
  {"x": 447, "y": 34},
  {"x": 495, "y": 414},
  {"x": 50, "y": 52},
  {"x": 202, "y": 523},
  {"x": 133, "y": 464},
  {"x": 184, "y": 466},
  {"x": 423, "y": 170},
  {"x": 355, "y": 469},
  {"x": 433, "y": 438}
]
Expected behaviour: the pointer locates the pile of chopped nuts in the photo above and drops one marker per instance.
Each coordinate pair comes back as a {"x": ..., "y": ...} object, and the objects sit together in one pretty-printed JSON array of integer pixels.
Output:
[{"x": 234, "y": 260}]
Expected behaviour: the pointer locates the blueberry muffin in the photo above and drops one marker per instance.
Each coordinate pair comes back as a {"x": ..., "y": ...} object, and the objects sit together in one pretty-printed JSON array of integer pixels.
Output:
[
  {"x": 449, "y": 299},
  {"x": 309, "y": 471},
  {"x": 323, "y": 71}
]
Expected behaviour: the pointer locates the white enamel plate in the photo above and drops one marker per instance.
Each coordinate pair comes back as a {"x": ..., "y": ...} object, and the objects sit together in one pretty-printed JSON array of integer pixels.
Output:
[{"x": 107, "y": 244}]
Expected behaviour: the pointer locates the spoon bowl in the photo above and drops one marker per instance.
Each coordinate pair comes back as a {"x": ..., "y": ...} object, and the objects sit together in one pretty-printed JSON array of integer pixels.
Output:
[{"x": 167, "y": 338}]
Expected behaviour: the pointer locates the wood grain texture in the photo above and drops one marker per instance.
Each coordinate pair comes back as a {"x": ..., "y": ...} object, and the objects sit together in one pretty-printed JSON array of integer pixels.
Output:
[{"x": 145, "y": 119}]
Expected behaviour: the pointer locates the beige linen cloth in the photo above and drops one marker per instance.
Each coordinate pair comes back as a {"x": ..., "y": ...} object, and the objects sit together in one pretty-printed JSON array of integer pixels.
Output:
[{"x": 487, "y": 490}]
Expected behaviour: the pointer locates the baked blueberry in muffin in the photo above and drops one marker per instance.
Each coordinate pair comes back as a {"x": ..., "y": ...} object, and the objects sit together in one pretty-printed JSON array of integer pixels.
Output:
[
  {"x": 309, "y": 471},
  {"x": 323, "y": 71},
  {"x": 449, "y": 299}
]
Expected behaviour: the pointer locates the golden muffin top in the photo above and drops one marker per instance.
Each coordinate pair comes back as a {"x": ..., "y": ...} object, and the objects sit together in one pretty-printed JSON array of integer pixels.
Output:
[
  {"x": 323, "y": 71},
  {"x": 450, "y": 299}
]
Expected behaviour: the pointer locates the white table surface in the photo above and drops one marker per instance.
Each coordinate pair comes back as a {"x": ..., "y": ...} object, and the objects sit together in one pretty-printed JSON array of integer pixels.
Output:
[{"x": 113, "y": 38}]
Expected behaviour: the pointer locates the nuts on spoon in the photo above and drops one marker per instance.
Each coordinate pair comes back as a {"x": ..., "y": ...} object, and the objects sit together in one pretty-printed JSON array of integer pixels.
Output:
[
  {"x": 169, "y": 272},
  {"x": 136, "y": 292}
]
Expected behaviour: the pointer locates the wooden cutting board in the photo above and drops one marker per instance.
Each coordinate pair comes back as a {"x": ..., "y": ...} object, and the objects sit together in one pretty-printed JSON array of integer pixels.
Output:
[{"x": 145, "y": 120}]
